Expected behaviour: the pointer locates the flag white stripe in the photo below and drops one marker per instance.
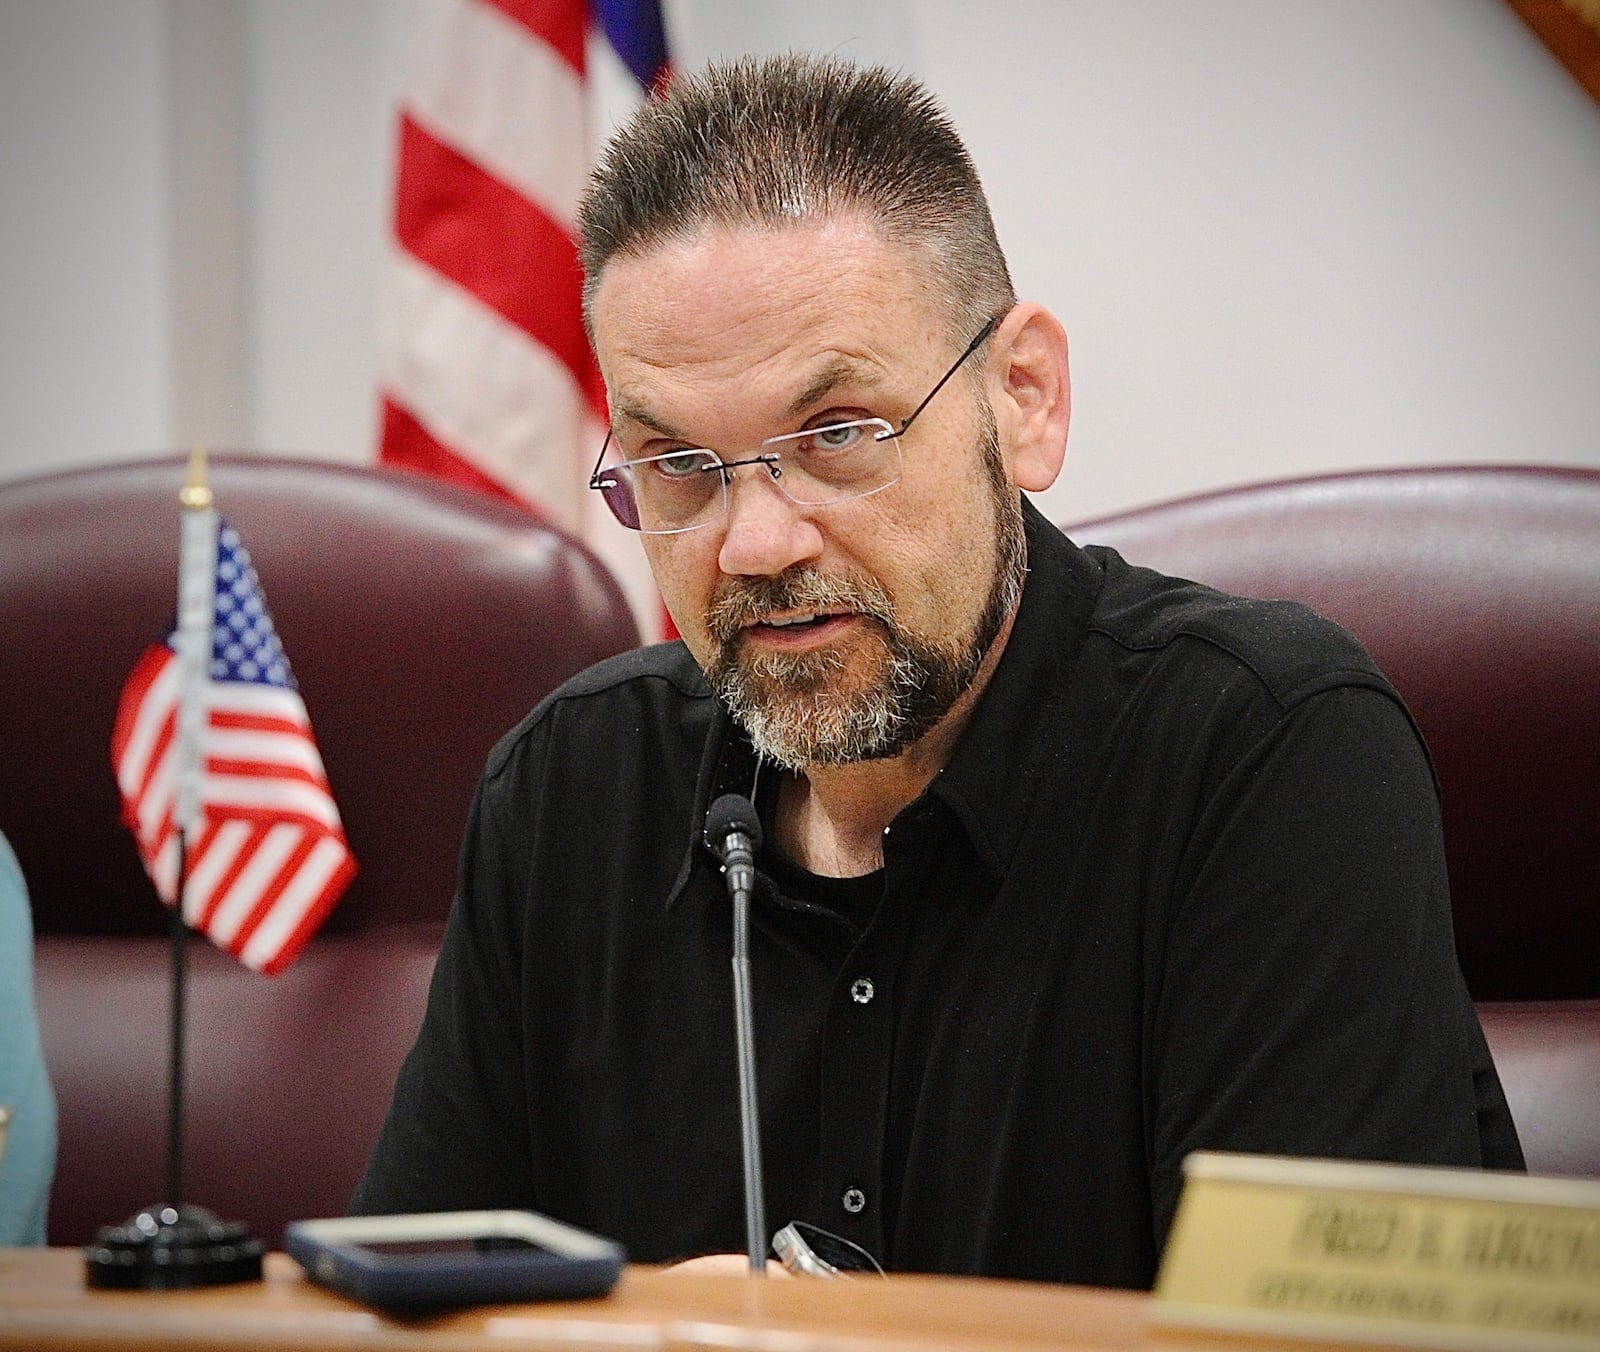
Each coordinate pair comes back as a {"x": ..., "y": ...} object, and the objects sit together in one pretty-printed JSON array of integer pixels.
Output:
[
  {"x": 227, "y": 794},
  {"x": 163, "y": 871},
  {"x": 613, "y": 93},
  {"x": 294, "y": 750},
  {"x": 261, "y": 701},
  {"x": 154, "y": 710},
  {"x": 258, "y": 874},
  {"x": 208, "y": 869},
  {"x": 159, "y": 796},
  {"x": 483, "y": 387},
  {"x": 291, "y": 906},
  {"x": 489, "y": 88}
]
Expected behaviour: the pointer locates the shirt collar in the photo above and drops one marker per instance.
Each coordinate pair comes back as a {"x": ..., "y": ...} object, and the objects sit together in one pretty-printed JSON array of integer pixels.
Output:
[
  {"x": 989, "y": 783},
  {"x": 729, "y": 764}
]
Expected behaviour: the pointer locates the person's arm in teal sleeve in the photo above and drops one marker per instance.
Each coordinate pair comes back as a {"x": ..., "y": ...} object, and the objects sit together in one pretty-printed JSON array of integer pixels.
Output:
[{"x": 29, "y": 1160}]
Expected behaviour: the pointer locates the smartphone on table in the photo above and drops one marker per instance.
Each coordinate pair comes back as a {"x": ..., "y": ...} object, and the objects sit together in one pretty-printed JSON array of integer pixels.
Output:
[{"x": 454, "y": 1258}]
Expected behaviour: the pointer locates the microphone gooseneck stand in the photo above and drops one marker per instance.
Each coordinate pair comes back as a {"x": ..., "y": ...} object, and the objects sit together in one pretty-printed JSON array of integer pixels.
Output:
[{"x": 734, "y": 833}]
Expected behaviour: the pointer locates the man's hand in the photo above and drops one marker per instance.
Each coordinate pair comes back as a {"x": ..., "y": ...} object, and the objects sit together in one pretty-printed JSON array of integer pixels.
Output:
[{"x": 726, "y": 1265}]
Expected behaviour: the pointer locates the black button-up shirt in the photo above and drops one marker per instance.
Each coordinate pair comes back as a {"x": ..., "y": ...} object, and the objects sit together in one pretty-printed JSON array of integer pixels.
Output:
[{"x": 1180, "y": 885}]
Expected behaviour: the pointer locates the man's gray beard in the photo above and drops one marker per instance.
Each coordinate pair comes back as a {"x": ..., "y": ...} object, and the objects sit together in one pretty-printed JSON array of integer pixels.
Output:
[{"x": 785, "y": 701}]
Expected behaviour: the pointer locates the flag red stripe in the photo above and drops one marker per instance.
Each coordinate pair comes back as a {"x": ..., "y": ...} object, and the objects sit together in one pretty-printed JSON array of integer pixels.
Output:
[
  {"x": 208, "y": 833},
  {"x": 314, "y": 834},
  {"x": 408, "y": 445},
  {"x": 230, "y": 875},
  {"x": 196, "y": 851},
  {"x": 250, "y": 721},
  {"x": 152, "y": 662},
  {"x": 561, "y": 23},
  {"x": 131, "y": 710},
  {"x": 269, "y": 895},
  {"x": 158, "y": 753},
  {"x": 262, "y": 817},
  {"x": 315, "y": 914},
  {"x": 159, "y": 840},
  {"x": 492, "y": 241},
  {"x": 275, "y": 771}
]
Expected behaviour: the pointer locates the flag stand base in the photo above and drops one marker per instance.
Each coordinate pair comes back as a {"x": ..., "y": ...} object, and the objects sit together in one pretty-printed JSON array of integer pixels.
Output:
[{"x": 164, "y": 1248}]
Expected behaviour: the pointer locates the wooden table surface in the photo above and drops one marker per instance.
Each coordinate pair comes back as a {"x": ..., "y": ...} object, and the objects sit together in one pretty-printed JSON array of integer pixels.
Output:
[{"x": 44, "y": 1303}]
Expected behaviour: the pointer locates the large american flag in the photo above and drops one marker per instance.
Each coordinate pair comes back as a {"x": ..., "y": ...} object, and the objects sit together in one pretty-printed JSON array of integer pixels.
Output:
[
  {"x": 485, "y": 370},
  {"x": 269, "y": 858}
]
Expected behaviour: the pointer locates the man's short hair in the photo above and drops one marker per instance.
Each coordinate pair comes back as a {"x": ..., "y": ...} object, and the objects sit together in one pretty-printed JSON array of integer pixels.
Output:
[{"x": 767, "y": 142}]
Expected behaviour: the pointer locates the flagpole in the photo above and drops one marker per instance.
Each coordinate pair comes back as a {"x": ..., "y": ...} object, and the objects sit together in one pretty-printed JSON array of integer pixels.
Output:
[
  {"x": 197, "y": 601},
  {"x": 178, "y": 932},
  {"x": 177, "y": 1245}
]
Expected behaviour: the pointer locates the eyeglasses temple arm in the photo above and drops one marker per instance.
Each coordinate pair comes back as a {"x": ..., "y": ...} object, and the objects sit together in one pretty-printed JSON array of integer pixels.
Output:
[
  {"x": 599, "y": 459},
  {"x": 984, "y": 332}
]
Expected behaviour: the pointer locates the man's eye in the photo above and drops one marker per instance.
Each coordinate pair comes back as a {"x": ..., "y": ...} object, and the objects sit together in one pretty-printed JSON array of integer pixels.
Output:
[
  {"x": 679, "y": 465},
  {"x": 836, "y": 437}
]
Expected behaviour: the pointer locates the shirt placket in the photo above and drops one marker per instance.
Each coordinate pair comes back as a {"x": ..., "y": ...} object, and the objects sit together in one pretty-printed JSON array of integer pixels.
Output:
[{"x": 858, "y": 1056}]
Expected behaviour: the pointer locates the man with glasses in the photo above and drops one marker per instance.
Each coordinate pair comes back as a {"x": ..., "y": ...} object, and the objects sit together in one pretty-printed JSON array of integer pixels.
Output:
[{"x": 1070, "y": 868}]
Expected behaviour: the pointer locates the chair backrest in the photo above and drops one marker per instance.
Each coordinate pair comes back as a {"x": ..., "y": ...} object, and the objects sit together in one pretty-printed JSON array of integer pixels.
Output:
[
  {"x": 421, "y": 621},
  {"x": 1477, "y": 590}
]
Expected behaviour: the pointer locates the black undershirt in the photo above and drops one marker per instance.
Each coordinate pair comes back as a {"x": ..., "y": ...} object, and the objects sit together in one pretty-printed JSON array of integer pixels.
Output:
[{"x": 854, "y": 900}]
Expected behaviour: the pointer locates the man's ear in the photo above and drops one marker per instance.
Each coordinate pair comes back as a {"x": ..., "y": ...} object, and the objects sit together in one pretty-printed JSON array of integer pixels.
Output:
[{"x": 1030, "y": 391}]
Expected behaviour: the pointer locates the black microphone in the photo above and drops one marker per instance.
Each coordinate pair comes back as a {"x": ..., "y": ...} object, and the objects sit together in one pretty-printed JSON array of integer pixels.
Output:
[{"x": 733, "y": 833}]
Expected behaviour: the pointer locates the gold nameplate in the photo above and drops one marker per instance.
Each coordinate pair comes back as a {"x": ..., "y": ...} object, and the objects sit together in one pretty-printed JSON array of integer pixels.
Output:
[{"x": 1438, "y": 1258}]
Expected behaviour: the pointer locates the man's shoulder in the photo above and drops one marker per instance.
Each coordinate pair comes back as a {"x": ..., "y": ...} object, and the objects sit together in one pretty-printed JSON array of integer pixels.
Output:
[
  {"x": 660, "y": 683},
  {"x": 668, "y": 666},
  {"x": 1291, "y": 649}
]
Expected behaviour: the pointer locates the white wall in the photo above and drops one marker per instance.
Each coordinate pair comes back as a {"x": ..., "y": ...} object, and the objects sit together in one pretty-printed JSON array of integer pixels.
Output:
[
  {"x": 322, "y": 80},
  {"x": 1292, "y": 235},
  {"x": 1285, "y": 235},
  {"x": 84, "y": 284}
]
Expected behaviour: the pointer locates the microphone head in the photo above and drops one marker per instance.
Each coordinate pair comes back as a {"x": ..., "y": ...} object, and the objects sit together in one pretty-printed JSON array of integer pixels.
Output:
[{"x": 732, "y": 812}]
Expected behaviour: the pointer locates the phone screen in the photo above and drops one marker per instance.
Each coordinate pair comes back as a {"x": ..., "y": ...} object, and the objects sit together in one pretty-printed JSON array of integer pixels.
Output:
[{"x": 429, "y": 1248}]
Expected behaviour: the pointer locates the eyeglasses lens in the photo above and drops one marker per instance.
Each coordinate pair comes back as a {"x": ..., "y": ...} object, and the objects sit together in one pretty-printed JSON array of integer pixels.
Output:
[{"x": 683, "y": 490}]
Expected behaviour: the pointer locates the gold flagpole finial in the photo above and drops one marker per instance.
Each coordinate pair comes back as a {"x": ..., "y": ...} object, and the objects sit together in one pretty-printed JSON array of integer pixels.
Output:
[{"x": 196, "y": 494}]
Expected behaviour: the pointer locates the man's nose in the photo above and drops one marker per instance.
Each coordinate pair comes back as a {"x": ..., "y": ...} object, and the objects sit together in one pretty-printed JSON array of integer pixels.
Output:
[{"x": 765, "y": 532}]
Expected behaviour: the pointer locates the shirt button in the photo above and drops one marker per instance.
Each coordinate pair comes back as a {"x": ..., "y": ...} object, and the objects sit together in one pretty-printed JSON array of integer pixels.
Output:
[
  {"x": 854, "y": 1201},
  {"x": 861, "y": 991}
]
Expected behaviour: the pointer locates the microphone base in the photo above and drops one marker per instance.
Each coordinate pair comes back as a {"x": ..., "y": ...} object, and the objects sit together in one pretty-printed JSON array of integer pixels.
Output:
[{"x": 165, "y": 1248}]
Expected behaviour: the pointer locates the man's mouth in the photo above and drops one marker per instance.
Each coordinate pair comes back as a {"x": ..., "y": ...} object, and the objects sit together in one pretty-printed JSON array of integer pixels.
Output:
[
  {"x": 795, "y": 611},
  {"x": 800, "y": 619},
  {"x": 797, "y": 624}
]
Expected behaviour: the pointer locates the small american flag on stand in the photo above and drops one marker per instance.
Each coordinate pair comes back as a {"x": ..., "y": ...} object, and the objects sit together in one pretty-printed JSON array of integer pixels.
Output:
[{"x": 267, "y": 858}]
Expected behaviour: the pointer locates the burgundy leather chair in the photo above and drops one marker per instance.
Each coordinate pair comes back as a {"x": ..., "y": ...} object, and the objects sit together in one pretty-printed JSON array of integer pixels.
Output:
[
  {"x": 1477, "y": 590},
  {"x": 422, "y": 622}
]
